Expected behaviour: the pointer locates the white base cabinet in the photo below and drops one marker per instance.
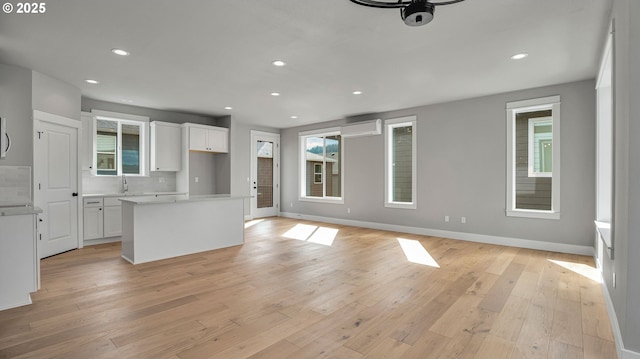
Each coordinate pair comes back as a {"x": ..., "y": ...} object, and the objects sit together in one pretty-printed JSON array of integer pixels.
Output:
[
  {"x": 19, "y": 265},
  {"x": 102, "y": 217}
]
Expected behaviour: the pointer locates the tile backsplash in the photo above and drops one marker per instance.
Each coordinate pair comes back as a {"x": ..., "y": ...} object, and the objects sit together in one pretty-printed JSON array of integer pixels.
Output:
[{"x": 156, "y": 182}]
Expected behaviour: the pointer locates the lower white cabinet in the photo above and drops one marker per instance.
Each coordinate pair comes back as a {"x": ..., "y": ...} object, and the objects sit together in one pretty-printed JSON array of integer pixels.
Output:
[
  {"x": 102, "y": 217},
  {"x": 19, "y": 265},
  {"x": 112, "y": 225}
]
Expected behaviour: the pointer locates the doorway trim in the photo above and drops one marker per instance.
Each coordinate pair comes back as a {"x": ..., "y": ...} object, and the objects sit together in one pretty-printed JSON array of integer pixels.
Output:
[
  {"x": 40, "y": 116},
  {"x": 275, "y": 137}
]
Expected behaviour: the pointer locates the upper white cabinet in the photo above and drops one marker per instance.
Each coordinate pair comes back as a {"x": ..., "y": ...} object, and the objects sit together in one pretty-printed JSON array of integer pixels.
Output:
[
  {"x": 166, "y": 146},
  {"x": 88, "y": 132},
  {"x": 208, "y": 138}
]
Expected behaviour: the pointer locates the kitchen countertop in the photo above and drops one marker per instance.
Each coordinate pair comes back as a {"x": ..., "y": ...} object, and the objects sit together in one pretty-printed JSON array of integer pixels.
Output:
[
  {"x": 17, "y": 211},
  {"x": 179, "y": 198},
  {"x": 131, "y": 194}
]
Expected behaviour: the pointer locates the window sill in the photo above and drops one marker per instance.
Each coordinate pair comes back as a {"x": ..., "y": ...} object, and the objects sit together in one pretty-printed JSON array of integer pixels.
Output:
[
  {"x": 401, "y": 205},
  {"x": 604, "y": 229},
  {"x": 533, "y": 214},
  {"x": 322, "y": 200}
]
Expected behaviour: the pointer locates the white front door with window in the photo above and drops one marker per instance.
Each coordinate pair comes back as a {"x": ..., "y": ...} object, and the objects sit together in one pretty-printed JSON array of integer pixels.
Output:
[
  {"x": 56, "y": 182},
  {"x": 265, "y": 174}
]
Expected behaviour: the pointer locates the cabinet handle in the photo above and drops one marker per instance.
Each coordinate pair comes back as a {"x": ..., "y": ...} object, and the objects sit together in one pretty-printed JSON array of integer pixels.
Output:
[{"x": 96, "y": 202}]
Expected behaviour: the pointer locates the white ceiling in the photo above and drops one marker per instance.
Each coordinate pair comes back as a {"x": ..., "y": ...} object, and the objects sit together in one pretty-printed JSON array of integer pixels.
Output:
[{"x": 200, "y": 56}]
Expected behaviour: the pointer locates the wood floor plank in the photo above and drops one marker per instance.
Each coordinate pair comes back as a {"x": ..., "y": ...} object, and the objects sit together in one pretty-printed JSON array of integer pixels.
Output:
[{"x": 281, "y": 297}]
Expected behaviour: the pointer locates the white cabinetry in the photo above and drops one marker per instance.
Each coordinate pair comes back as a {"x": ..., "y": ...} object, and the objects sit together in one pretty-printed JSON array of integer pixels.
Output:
[
  {"x": 166, "y": 146},
  {"x": 93, "y": 221},
  {"x": 18, "y": 260},
  {"x": 208, "y": 138},
  {"x": 102, "y": 217},
  {"x": 112, "y": 221},
  {"x": 88, "y": 123}
]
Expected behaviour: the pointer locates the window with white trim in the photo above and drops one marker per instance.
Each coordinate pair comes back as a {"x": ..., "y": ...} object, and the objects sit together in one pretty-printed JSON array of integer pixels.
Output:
[
  {"x": 320, "y": 150},
  {"x": 533, "y": 158},
  {"x": 400, "y": 162},
  {"x": 121, "y": 145}
]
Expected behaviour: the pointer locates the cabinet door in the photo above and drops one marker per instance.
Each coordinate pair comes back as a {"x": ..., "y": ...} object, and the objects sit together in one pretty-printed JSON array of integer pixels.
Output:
[
  {"x": 93, "y": 223},
  {"x": 87, "y": 142},
  {"x": 198, "y": 139},
  {"x": 112, "y": 221},
  {"x": 166, "y": 148},
  {"x": 218, "y": 140}
]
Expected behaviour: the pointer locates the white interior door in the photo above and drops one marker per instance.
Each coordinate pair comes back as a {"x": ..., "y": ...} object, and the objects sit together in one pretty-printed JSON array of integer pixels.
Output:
[
  {"x": 56, "y": 183},
  {"x": 265, "y": 174}
]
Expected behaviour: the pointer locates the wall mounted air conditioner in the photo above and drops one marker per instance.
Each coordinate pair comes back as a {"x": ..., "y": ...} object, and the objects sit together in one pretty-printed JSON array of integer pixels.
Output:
[{"x": 365, "y": 128}]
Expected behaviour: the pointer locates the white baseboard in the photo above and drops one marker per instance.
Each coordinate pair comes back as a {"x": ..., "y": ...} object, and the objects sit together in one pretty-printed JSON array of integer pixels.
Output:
[
  {"x": 615, "y": 326},
  {"x": 93, "y": 242},
  {"x": 471, "y": 237}
]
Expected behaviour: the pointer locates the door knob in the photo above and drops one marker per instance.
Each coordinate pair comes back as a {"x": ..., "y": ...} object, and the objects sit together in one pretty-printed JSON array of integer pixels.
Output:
[{"x": 75, "y": 194}]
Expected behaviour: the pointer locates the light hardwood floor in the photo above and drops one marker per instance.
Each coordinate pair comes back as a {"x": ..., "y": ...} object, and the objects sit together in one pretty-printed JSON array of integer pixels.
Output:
[{"x": 278, "y": 297}]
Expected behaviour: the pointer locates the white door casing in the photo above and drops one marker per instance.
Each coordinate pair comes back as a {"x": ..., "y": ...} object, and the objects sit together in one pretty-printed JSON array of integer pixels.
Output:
[
  {"x": 265, "y": 196},
  {"x": 56, "y": 169}
]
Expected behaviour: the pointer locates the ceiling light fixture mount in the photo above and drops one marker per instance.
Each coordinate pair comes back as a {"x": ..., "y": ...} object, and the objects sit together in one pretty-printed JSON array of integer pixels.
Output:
[{"x": 412, "y": 12}]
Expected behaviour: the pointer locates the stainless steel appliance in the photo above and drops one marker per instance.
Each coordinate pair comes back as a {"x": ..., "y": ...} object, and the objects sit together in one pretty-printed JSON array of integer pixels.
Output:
[{"x": 5, "y": 140}]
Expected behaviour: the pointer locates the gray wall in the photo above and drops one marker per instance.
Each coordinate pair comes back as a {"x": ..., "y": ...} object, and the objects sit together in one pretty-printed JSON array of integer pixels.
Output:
[
  {"x": 15, "y": 107},
  {"x": 154, "y": 115},
  {"x": 213, "y": 171},
  {"x": 626, "y": 295},
  {"x": 462, "y": 169},
  {"x": 21, "y": 92},
  {"x": 56, "y": 97},
  {"x": 240, "y": 161}
]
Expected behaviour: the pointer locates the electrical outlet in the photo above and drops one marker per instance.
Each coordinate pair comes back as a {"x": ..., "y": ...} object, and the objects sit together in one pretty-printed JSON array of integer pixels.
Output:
[
  {"x": 291, "y": 204},
  {"x": 161, "y": 179},
  {"x": 197, "y": 179},
  {"x": 348, "y": 210},
  {"x": 463, "y": 219},
  {"x": 446, "y": 218}
]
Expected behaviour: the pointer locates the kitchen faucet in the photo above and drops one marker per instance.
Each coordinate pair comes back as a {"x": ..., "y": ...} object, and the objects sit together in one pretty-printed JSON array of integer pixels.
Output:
[{"x": 125, "y": 186}]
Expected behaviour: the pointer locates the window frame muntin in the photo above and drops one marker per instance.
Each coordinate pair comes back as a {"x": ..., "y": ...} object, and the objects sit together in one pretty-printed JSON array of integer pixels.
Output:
[
  {"x": 302, "y": 136},
  {"x": 127, "y": 119}
]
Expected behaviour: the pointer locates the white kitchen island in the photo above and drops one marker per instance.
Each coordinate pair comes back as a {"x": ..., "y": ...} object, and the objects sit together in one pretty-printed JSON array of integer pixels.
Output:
[{"x": 155, "y": 228}]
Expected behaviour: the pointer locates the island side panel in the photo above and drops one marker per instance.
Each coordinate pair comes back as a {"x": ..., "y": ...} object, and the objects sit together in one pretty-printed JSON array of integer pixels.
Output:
[
  {"x": 166, "y": 230},
  {"x": 128, "y": 250}
]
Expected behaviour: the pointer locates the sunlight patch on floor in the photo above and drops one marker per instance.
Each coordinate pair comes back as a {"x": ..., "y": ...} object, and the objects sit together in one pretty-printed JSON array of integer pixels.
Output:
[
  {"x": 313, "y": 234},
  {"x": 324, "y": 236},
  {"x": 582, "y": 269},
  {"x": 252, "y": 223},
  {"x": 416, "y": 253}
]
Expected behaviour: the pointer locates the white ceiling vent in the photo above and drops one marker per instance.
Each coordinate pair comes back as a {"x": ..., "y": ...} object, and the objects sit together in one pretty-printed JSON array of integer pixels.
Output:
[{"x": 366, "y": 128}]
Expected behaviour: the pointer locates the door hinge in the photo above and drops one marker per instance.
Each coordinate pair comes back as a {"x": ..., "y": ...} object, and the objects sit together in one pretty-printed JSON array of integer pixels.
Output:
[
  {"x": 39, "y": 133},
  {"x": 39, "y": 185}
]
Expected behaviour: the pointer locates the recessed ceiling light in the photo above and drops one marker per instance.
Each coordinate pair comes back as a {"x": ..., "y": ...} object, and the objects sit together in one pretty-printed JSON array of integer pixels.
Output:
[
  {"x": 279, "y": 63},
  {"x": 294, "y": 117},
  {"x": 357, "y": 92},
  {"x": 519, "y": 56},
  {"x": 275, "y": 94},
  {"x": 228, "y": 108},
  {"x": 93, "y": 82},
  {"x": 120, "y": 52}
]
